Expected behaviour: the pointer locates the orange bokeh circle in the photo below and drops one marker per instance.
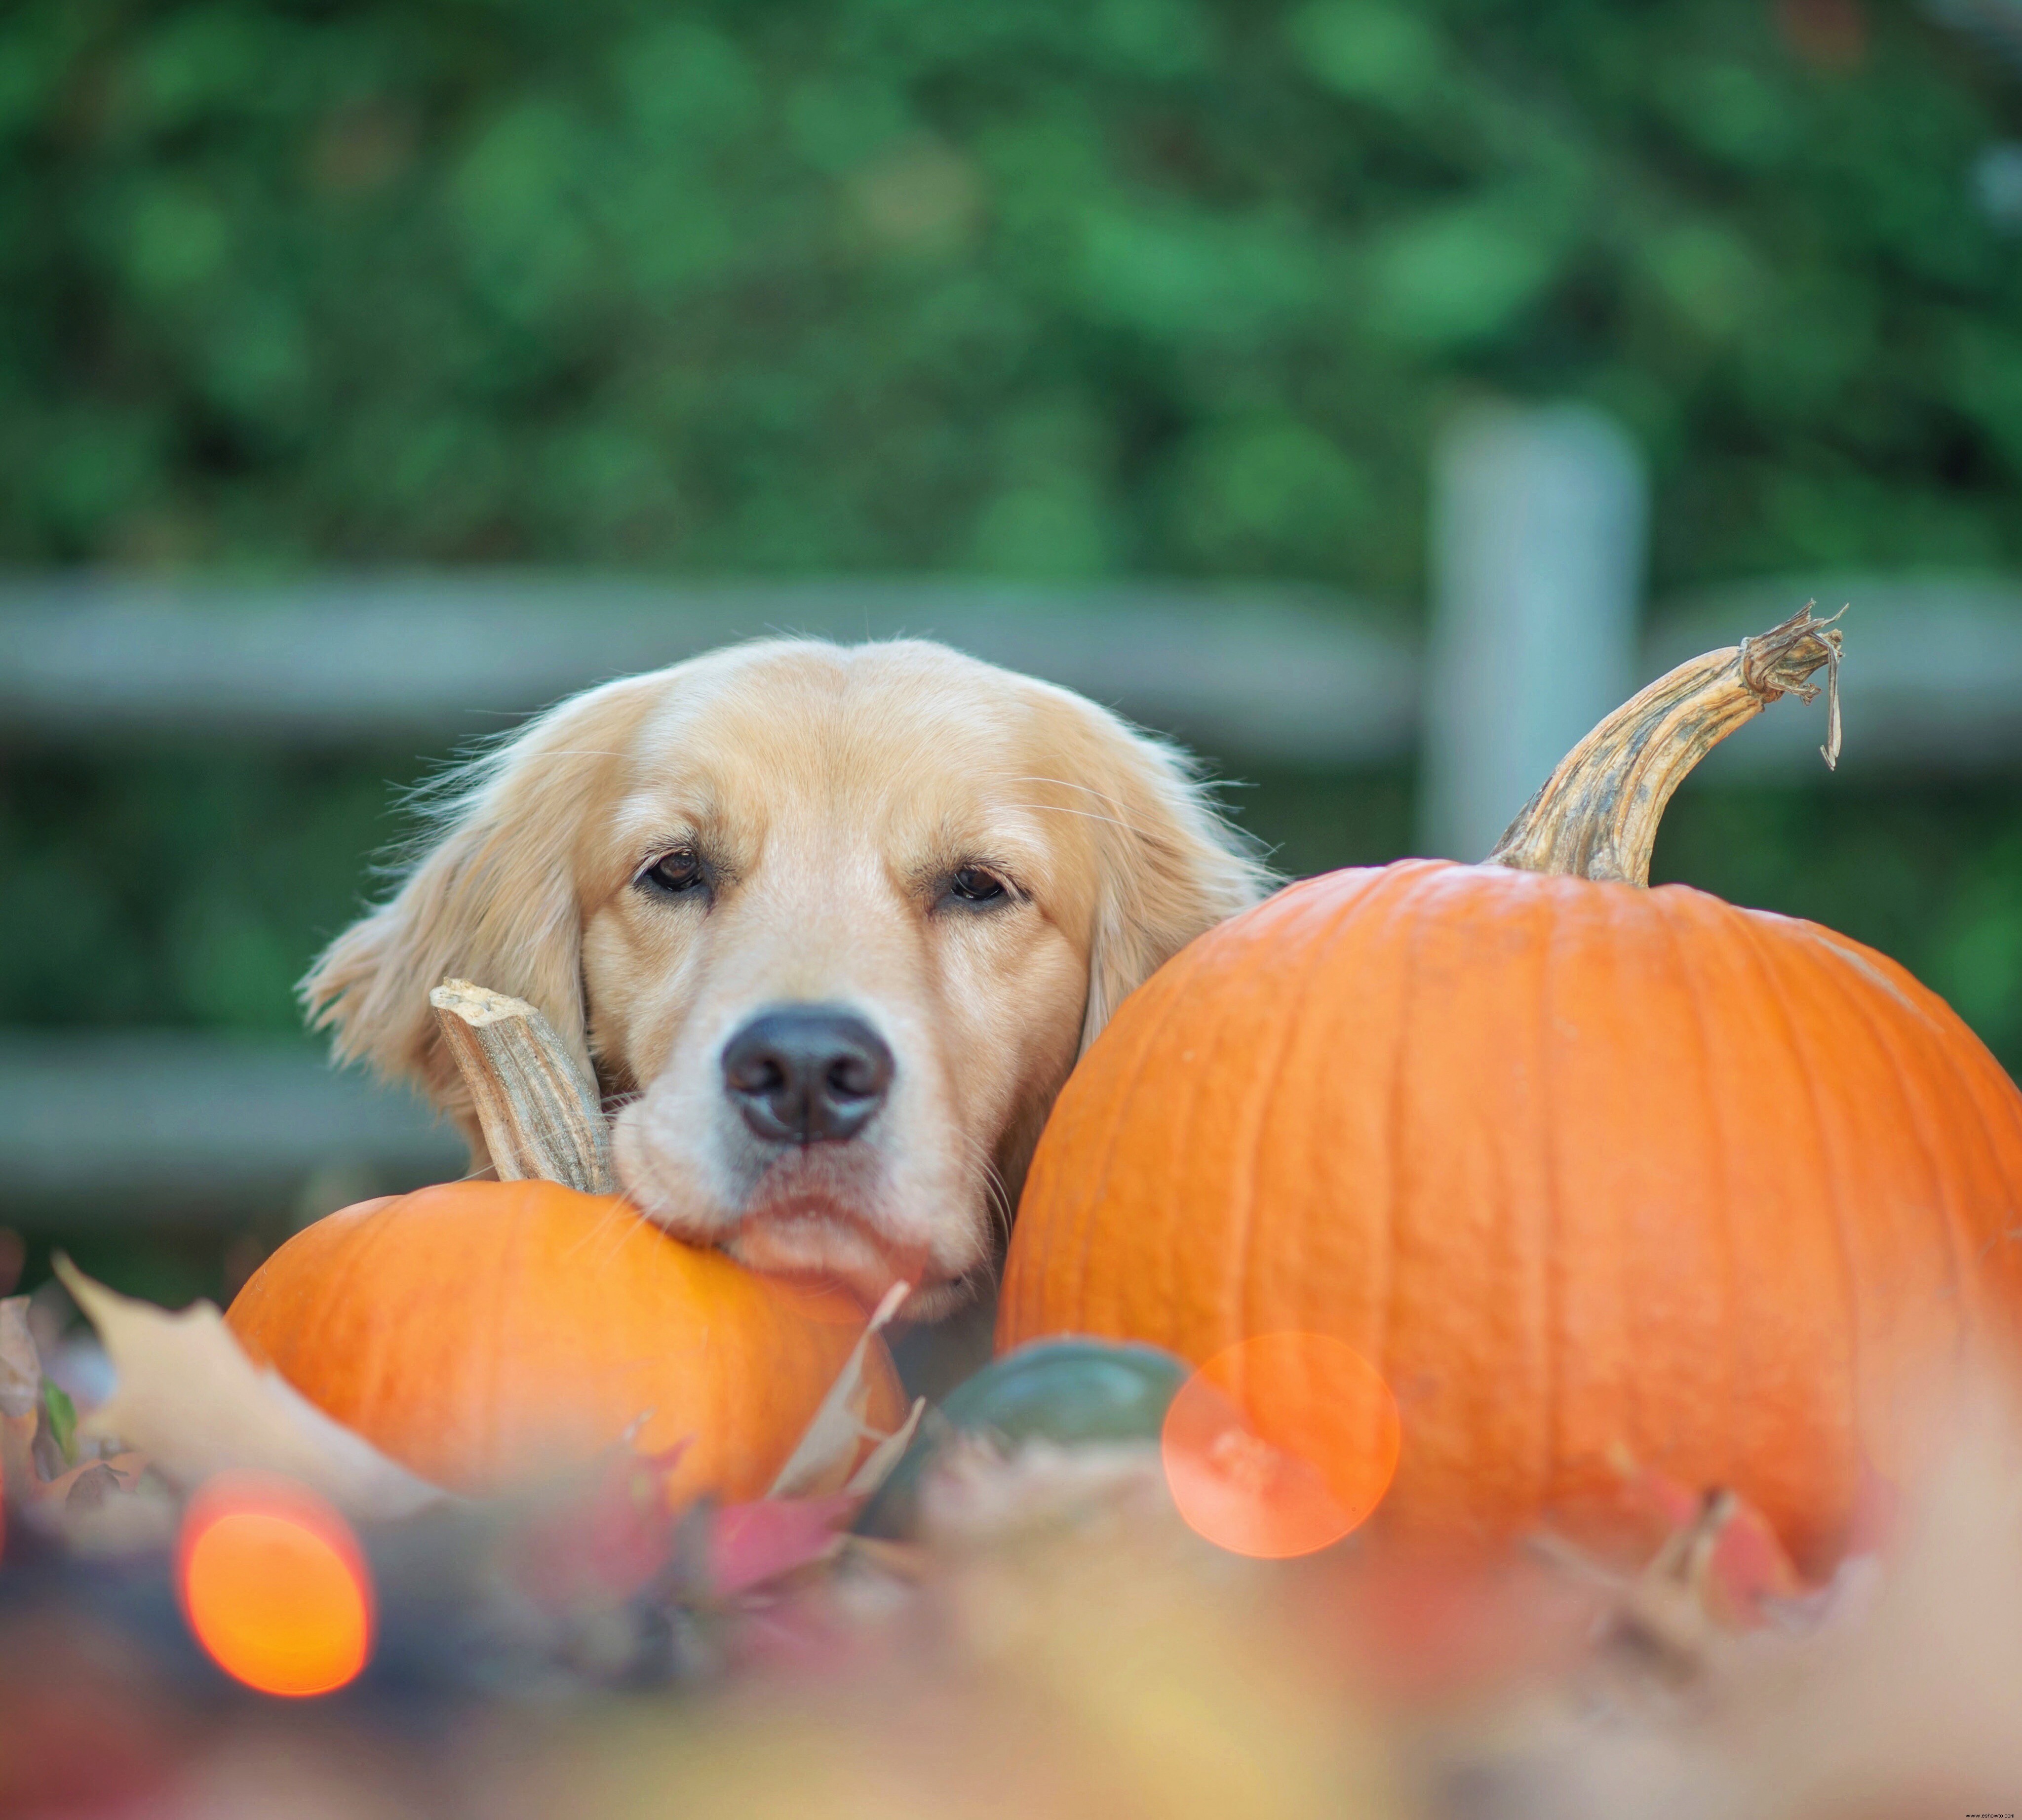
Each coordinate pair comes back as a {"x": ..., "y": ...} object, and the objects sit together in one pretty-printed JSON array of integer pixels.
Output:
[
  {"x": 1281, "y": 1444},
  {"x": 273, "y": 1585}
]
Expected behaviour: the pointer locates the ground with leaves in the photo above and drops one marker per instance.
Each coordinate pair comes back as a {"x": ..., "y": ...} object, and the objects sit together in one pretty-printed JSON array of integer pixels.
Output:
[{"x": 1051, "y": 1640}]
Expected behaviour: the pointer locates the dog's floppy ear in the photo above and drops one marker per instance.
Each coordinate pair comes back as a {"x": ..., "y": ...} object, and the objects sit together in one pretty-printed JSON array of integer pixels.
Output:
[
  {"x": 1168, "y": 867},
  {"x": 492, "y": 898}
]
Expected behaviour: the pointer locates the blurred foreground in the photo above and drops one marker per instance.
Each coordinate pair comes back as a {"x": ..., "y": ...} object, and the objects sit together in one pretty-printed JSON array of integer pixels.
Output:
[{"x": 1057, "y": 1643}]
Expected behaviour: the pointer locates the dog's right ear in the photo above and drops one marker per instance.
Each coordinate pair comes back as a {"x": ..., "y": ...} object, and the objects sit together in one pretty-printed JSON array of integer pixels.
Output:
[{"x": 494, "y": 898}]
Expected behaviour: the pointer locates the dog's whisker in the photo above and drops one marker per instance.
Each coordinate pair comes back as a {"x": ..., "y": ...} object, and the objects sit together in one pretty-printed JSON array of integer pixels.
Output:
[
  {"x": 1205, "y": 787},
  {"x": 1065, "y": 784},
  {"x": 996, "y": 1196},
  {"x": 619, "y": 1211},
  {"x": 567, "y": 752},
  {"x": 1086, "y": 814},
  {"x": 617, "y": 1222},
  {"x": 611, "y": 1214}
]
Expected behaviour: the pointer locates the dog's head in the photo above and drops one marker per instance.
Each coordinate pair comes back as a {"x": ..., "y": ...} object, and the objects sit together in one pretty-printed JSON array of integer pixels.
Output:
[{"x": 831, "y": 923}]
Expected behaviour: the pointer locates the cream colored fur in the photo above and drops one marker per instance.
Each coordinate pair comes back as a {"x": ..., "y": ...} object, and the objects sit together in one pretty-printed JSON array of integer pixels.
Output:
[{"x": 833, "y": 790}]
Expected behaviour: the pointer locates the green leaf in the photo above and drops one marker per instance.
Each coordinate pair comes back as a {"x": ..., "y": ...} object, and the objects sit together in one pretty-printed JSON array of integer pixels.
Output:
[
  {"x": 1368, "y": 51},
  {"x": 63, "y": 1420}
]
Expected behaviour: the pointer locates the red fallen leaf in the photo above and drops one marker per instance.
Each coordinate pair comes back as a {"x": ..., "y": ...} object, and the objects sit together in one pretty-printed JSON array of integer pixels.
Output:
[
  {"x": 604, "y": 1542},
  {"x": 21, "y": 1365},
  {"x": 21, "y": 1400},
  {"x": 1749, "y": 1562},
  {"x": 1653, "y": 1494},
  {"x": 1750, "y": 1565},
  {"x": 750, "y": 1544}
]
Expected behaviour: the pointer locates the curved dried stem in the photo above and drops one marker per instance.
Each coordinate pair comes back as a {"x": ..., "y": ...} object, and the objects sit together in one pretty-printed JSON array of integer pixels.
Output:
[
  {"x": 540, "y": 1115},
  {"x": 1596, "y": 816}
]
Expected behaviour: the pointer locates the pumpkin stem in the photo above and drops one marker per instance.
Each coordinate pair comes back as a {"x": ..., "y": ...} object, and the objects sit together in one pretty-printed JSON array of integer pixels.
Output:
[
  {"x": 540, "y": 1116},
  {"x": 1596, "y": 816}
]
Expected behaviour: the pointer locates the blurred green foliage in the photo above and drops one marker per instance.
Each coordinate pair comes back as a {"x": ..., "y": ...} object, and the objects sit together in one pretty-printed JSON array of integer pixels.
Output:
[
  {"x": 1171, "y": 286},
  {"x": 1035, "y": 286},
  {"x": 181, "y": 884}
]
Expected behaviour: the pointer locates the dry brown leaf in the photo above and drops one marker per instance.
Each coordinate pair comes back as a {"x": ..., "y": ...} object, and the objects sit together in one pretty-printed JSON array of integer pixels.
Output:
[
  {"x": 18, "y": 1477},
  {"x": 878, "y": 1463},
  {"x": 189, "y": 1398},
  {"x": 825, "y": 1459},
  {"x": 21, "y": 1399},
  {"x": 21, "y": 1365}
]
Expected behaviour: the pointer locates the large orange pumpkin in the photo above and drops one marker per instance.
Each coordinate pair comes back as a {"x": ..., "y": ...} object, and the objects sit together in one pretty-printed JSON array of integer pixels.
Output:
[
  {"x": 487, "y": 1334},
  {"x": 1592, "y": 1174}
]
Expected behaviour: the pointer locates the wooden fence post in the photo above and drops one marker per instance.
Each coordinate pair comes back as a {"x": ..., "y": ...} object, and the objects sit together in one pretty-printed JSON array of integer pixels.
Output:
[{"x": 1539, "y": 522}]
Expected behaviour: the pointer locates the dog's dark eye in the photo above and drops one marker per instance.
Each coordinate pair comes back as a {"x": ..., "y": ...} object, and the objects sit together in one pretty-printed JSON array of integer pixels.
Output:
[
  {"x": 676, "y": 872},
  {"x": 973, "y": 885}
]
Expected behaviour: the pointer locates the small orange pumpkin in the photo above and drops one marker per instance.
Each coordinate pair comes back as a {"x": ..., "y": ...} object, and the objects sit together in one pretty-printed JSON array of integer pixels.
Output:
[
  {"x": 1599, "y": 1178},
  {"x": 488, "y": 1334},
  {"x": 485, "y": 1334}
]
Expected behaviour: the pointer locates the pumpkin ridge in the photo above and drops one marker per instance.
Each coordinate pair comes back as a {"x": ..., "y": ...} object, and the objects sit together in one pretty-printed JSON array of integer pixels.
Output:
[
  {"x": 383, "y": 1390},
  {"x": 1398, "y": 1150},
  {"x": 259, "y": 1293},
  {"x": 1549, "y": 1370},
  {"x": 354, "y": 1262},
  {"x": 1383, "y": 1303},
  {"x": 1263, "y": 1096},
  {"x": 1777, "y": 996},
  {"x": 1888, "y": 1039},
  {"x": 508, "y": 1267},
  {"x": 1180, "y": 1273},
  {"x": 1629, "y": 1428},
  {"x": 707, "y": 1347},
  {"x": 1955, "y": 1247},
  {"x": 720, "y": 1364},
  {"x": 600, "y": 1254},
  {"x": 1735, "y": 1374},
  {"x": 1122, "y": 1099},
  {"x": 1740, "y": 933}
]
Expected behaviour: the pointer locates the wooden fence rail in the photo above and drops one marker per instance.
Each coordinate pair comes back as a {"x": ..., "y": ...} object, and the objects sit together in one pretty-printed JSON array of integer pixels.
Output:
[{"x": 1536, "y": 627}]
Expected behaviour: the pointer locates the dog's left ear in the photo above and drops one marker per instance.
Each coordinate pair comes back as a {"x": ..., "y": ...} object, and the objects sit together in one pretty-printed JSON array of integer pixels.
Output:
[
  {"x": 1168, "y": 865},
  {"x": 491, "y": 897}
]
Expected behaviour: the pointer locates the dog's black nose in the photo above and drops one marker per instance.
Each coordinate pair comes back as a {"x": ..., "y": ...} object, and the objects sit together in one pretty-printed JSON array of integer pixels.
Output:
[{"x": 807, "y": 1074}]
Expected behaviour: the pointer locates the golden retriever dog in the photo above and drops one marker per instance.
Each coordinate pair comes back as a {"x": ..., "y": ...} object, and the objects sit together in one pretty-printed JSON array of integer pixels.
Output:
[{"x": 830, "y": 923}]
